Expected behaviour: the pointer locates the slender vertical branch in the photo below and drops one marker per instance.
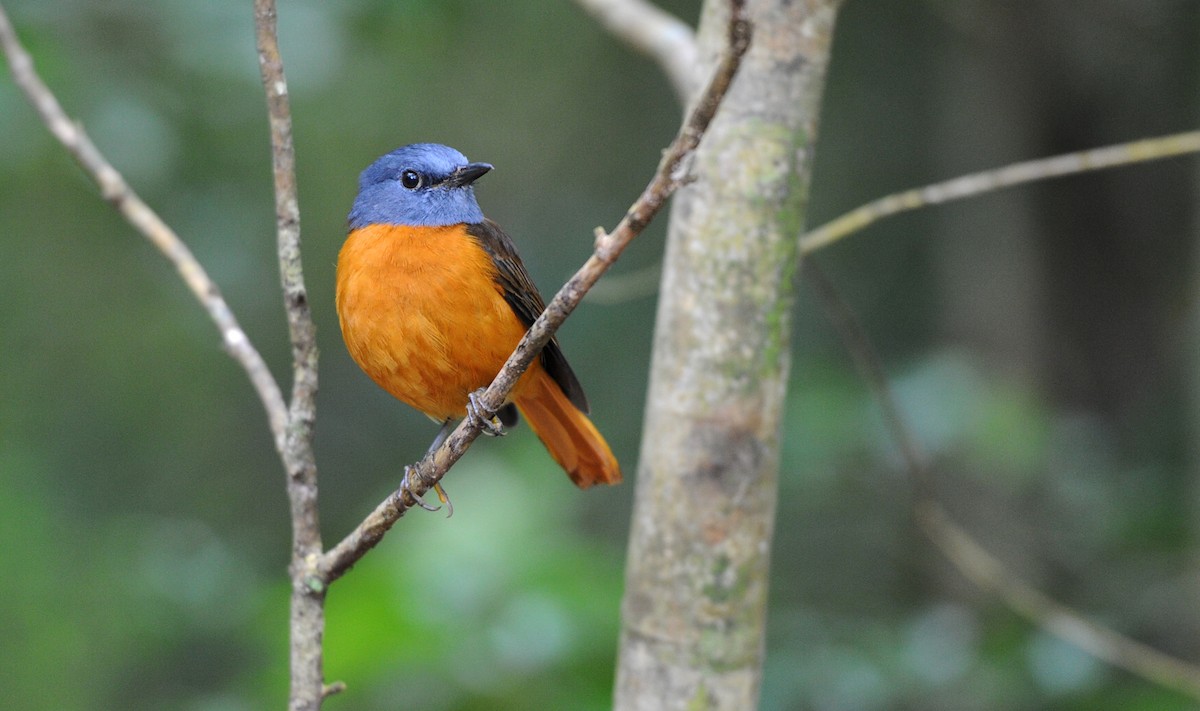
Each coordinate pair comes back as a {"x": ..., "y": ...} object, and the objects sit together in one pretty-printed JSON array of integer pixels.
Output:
[
  {"x": 308, "y": 594},
  {"x": 298, "y": 453}
]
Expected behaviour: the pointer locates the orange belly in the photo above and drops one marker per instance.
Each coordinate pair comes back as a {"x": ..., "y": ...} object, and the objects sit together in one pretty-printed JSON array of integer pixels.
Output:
[{"x": 422, "y": 315}]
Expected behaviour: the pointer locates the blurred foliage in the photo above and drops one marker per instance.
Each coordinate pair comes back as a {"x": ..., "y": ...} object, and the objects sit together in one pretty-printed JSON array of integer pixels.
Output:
[{"x": 1041, "y": 340}]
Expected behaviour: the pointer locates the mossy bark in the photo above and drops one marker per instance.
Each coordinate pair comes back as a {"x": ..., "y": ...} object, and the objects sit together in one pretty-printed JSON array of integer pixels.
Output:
[{"x": 694, "y": 613}]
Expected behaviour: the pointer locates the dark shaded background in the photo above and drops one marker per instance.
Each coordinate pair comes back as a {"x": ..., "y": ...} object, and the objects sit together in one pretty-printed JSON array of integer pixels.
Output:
[{"x": 1042, "y": 340}]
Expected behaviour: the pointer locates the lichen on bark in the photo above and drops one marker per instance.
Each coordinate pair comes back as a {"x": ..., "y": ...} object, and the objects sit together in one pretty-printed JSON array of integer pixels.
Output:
[{"x": 694, "y": 612}]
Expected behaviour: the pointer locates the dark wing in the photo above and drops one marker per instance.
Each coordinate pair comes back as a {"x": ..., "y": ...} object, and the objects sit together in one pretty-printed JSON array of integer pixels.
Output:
[{"x": 522, "y": 295}]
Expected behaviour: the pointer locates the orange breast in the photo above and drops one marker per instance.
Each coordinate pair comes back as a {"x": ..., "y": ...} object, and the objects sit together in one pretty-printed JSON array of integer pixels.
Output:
[{"x": 422, "y": 315}]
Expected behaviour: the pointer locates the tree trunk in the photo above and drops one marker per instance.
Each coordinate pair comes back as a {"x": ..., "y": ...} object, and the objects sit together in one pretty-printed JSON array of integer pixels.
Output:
[{"x": 694, "y": 613}]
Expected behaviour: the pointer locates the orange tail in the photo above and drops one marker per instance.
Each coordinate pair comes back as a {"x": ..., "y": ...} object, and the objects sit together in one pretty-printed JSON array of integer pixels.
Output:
[{"x": 568, "y": 434}]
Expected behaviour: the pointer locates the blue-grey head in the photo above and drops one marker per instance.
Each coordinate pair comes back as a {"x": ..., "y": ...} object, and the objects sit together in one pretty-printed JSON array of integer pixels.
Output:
[{"x": 421, "y": 185}]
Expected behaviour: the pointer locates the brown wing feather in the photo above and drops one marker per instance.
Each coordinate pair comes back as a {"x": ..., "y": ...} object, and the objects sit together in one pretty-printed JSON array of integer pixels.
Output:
[{"x": 522, "y": 295}]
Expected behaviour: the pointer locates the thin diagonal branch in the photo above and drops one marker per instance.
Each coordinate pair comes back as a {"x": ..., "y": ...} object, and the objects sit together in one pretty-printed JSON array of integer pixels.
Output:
[
  {"x": 655, "y": 33},
  {"x": 643, "y": 282},
  {"x": 121, "y": 196},
  {"x": 988, "y": 573},
  {"x": 967, "y": 555},
  {"x": 986, "y": 181},
  {"x": 671, "y": 173}
]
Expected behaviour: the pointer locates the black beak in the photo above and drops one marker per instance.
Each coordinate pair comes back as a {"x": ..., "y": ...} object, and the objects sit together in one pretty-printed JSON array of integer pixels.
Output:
[{"x": 467, "y": 174}]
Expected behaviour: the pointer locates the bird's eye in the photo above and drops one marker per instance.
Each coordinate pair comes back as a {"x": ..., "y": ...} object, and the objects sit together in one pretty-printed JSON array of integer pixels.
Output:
[{"x": 410, "y": 179}]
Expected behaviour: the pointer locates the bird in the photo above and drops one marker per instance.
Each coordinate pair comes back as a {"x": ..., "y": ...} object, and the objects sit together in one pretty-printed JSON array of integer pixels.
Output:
[{"x": 432, "y": 298}]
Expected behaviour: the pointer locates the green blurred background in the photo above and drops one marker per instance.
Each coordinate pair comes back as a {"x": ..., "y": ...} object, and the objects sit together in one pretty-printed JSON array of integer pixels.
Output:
[{"x": 1042, "y": 340}]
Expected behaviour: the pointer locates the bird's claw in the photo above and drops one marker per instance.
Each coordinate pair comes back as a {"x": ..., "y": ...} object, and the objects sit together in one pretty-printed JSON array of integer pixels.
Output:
[
  {"x": 487, "y": 425},
  {"x": 406, "y": 488}
]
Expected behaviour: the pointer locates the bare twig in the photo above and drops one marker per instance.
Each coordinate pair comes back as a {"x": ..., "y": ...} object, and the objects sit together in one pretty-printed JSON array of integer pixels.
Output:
[
  {"x": 858, "y": 345},
  {"x": 988, "y": 573},
  {"x": 986, "y": 181},
  {"x": 608, "y": 247},
  {"x": 307, "y": 626},
  {"x": 972, "y": 559},
  {"x": 117, "y": 192},
  {"x": 644, "y": 282},
  {"x": 655, "y": 33}
]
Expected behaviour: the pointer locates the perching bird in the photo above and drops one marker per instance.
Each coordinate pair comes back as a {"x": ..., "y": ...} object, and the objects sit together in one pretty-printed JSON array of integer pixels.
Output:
[{"x": 432, "y": 299}]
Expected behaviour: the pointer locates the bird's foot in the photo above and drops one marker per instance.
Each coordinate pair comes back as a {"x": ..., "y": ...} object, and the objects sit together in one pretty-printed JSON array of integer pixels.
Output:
[
  {"x": 406, "y": 488},
  {"x": 490, "y": 426}
]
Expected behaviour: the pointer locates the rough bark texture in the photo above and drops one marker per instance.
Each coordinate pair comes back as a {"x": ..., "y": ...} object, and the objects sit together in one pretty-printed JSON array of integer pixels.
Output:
[{"x": 694, "y": 611}]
